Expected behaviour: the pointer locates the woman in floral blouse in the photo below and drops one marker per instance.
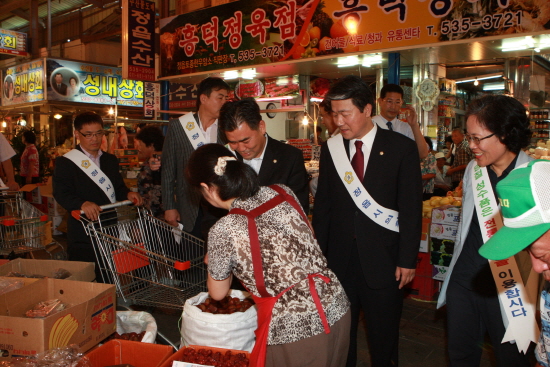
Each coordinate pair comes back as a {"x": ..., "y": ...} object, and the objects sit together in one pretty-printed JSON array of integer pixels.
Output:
[
  {"x": 267, "y": 243},
  {"x": 428, "y": 168},
  {"x": 29, "y": 159},
  {"x": 149, "y": 144}
]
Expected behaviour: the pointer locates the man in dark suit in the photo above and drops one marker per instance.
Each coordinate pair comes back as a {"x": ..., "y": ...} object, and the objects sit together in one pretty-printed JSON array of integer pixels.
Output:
[
  {"x": 75, "y": 189},
  {"x": 58, "y": 85},
  {"x": 273, "y": 161},
  {"x": 182, "y": 204},
  {"x": 369, "y": 228}
]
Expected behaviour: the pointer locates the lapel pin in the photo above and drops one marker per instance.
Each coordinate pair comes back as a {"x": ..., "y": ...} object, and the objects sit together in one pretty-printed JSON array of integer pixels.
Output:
[
  {"x": 274, "y": 161},
  {"x": 381, "y": 153}
]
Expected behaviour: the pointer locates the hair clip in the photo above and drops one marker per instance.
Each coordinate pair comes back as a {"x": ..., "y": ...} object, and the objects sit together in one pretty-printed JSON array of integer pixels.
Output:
[{"x": 219, "y": 169}]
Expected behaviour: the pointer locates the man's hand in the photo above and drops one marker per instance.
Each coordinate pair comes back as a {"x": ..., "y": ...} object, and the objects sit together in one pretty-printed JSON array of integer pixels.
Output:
[
  {"x": 404, "y": 275},
  {"x": 154, "y": 164},
  {"x": 91, "y": 210},
  {"x": 410, "y": 113},
  {"x": 172, "y": 217},
  {"x": 135, "y": 198}
]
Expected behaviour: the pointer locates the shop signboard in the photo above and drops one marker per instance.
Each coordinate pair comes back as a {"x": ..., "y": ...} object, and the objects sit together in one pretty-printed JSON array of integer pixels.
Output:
[
  {"x": 256, "y": 32},
  {"x": 91, "y": 83},
  {"x": 13, "y": 43},
  {"x": 151, "y": 99},
  {"x": 138, "y": 41},
  {"x": 23, "y": 83},
  {"x": 182, "y": 96}
]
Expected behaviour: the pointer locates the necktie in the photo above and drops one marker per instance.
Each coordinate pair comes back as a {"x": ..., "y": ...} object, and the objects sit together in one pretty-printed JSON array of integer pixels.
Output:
[
  {"x": 389, "y": 125},
  {"x": 358, "y": 160}
]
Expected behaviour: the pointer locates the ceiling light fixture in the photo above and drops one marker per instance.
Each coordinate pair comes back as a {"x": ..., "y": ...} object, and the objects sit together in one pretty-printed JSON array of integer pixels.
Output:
[
  {"x": 372, "y": 59},
  {"x": 278, "y": 98},
  {"x": 494, "y": 86},
  {"x": 484, "y": 77},
  {"x": 111, "y": 111},
  {"x": 476, "y": 82},
  {"x": 316, "y": 99},
  {"x": 57, "y": 116},
  {"x": 347, "y": 61}
]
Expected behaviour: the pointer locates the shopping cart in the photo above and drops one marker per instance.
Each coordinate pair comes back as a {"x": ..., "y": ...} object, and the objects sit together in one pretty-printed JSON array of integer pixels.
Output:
[
  {"x": 23, "y": 227},
  {"x": 150, "y": 262}
]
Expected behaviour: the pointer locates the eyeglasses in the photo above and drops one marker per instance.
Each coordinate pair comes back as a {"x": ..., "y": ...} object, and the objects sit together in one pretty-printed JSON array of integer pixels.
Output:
[
  {"x": 476, "y": 140},
  {"x": 395, "y": 102},
  {"x": 98, "y": 134}
]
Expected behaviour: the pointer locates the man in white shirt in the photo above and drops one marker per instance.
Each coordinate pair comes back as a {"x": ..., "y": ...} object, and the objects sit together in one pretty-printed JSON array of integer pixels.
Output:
[
  {"x": 273, "y": 161},
  {"x": 390, "y": 102},
  {"x": 181, "y": 203}
]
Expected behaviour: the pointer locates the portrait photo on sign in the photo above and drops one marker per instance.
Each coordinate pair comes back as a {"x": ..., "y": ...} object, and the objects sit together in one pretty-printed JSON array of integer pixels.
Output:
[
  {"x": 65, "y": 82},
  {"x": 8, "y": 87}
]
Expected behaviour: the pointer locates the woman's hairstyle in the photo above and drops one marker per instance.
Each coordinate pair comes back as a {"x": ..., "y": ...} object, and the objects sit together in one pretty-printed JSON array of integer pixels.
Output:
[
  {"x": 151, "y": 135},
  {"x": 73, "y": 78},
  {"x": 449, "y": 139},
  {"x": 29, "y": 137},
  {"x": 504, "y": 116},
  {"x": 238, "y": 181}
]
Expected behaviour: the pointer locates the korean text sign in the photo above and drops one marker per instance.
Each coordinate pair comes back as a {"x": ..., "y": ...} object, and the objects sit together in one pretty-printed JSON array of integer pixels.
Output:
[
  {"x": 257, "y": 32},
  {"x": 13, "y": 43},
  {"x": 91, "y": 83},
  {"x": 138, "y": 45},
  {"x": 23, "y": 83}
]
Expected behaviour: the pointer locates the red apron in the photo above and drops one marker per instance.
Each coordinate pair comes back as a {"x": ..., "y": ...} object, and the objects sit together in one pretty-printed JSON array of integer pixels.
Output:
[{"x": 266, "y": 302}]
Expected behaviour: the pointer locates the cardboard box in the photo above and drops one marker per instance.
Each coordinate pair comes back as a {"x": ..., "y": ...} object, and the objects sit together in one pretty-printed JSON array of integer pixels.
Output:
[
  {"x": 445, "y": 246},
  {"x": 88, "y": 319},
  {"x": 447, "y": 214},
  {"x": 116, "y": 352},
  {"x": 82, "y": 271},
  {"x": 440, "y": 272},
  {"x": 177, "y": 356},
  {"x": 443, "y": 231},
  {"x": 24, "y": 281}
]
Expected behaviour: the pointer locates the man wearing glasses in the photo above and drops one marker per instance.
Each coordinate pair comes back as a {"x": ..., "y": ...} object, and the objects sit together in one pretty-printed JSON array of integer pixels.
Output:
[
  {"x": 85, "y": 178},
  {"x": 390, "y": 103}
]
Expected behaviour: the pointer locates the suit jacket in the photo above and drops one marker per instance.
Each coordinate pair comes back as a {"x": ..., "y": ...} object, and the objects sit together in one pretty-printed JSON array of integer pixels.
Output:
[
  {"x": 72, "y": 187},
  {"x": 61, "y": 90},
  {"x": 284, "y": 164},
  {"x": 393, "y": 179},
  {"x": 176, "y": 192}
]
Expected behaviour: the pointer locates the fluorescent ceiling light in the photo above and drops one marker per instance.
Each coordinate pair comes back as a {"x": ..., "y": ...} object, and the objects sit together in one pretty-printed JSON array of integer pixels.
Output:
[
  {"x": 278, "y": 98},
  {"x": 347, "y": 61},
  {"x": 57, "y": 116},
  {"x": 482, "y": 77},
  {"x": 372, "y": 59},
  {"x": 231, "y": 74},
  {"x": 493, "y": 86},
  {"x": 316, "y": 99},
  {"x": 248, "y": 73}
]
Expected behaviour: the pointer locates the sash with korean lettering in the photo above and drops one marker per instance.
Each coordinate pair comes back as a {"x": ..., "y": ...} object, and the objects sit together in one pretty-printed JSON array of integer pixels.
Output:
[
  {"x": 387, "y": 218},
  {"x": 192, "y": 130},
  {"x": 92, "y": 170},
  {"x": 515, "y": 298}
]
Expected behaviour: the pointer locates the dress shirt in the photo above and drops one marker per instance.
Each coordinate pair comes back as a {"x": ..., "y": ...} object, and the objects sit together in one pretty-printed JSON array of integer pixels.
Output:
[
  {"x": 256, "y": 163},
  {"x": 211, "y": 133},
  {"x": 397, "y": 125},
  {"x": 94, "y": 159},
  {"x": 367, "y": 140}
]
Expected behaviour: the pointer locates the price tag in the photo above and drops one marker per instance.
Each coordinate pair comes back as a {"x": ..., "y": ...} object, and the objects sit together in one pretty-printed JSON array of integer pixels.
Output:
[{"x": 187, "y": 364}]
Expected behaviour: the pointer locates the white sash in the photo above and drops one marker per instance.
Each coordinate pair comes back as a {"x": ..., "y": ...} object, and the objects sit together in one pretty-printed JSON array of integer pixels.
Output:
[
  {"x": 92, "y": 170},
  {"x": 387, "y": 218},
  {"x": 515, "y": 298},
  {"x": 192, "y": 130}
]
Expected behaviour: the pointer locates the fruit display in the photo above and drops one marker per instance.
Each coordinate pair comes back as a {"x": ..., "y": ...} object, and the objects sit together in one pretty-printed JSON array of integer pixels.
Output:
[
  {"x": 452, "y": 198},
  {"x": 134, "y": 337},
  {"x": 228, "y": 305},
  {"x": 208, "y": 357}
]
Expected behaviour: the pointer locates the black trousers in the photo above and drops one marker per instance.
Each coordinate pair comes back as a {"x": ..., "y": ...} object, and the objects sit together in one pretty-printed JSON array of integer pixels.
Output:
[
  {"x": 382, "y": 309},
  {"x": 469, "y": 316}
]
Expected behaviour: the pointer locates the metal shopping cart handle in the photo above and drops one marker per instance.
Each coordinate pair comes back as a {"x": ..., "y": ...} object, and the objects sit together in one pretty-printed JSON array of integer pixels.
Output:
[{"x": 77, "y": 213}]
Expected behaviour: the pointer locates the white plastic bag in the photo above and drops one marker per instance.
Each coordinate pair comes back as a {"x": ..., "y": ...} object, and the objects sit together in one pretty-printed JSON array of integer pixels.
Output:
[
  {"x": 136, "y": 322},
  {"x": 229, "y": 331}
]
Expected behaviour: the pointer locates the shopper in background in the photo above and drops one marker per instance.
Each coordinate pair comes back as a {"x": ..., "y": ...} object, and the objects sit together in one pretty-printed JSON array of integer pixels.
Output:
[
  {"x": 450, "y": 155},
  {"x": 527, "y": 226},
  {"x": 6, "y": 153},
  {"x": 442, "y": 182},
  {"x": 303, "y": 311},
  {"x": 498, "y": 129},
  {"x": 428, "y": 170},
  {"x": 390, "y": 103},
  {"x": 326, "y": 114},
  {"x": 85, "y": 178},
  {"x": 462, "y": 156},
  {"x": 355, "y": 214},
  {"x": 320, "y": 139},
  {"x": 275, "y": 162},
  {"x": 30, "y": 163},
  {"x": 181, "y": 204},
  {"x": 150, "y": 141}
]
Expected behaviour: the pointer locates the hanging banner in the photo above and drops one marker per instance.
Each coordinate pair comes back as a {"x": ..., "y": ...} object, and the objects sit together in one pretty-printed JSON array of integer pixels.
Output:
[
  {"x": 182, "y": 96},
  {"x": 23, "y": 83},
  {"x": 90, "y": 83},
  {"x": 151, "y": 100},
  {"x": 255, "y": 32},
  {"x": 138, "y": 40},
  {"x": 13, "y": 43}
]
